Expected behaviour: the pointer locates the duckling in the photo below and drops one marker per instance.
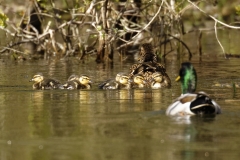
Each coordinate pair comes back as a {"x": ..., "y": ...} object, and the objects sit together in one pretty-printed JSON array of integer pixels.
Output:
[
  {"x": 138, "y": 81},
  {"x": 191, "y": 103},
  {"x": 124, "y": 82},
  {"x": 159, "y": 80},
  {"x": 41, "y": 83},
  {"x": 72, "y": 82},
  {"x": 114, "y": 83},
  {"x": 84, "y": 82},
  {"x": 73, "y": 77}
]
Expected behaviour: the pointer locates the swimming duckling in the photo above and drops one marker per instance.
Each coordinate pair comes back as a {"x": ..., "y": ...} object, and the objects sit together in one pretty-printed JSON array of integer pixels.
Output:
[
  {"x": 190, "y": 103},
  {"x": 159, "y": 81},
  {"x": 41, "y": 83},
  {"x": 124, "y": 82},
  {"x": 138, "y": 81},
  {"x": 118, "y": 83},
  {"x": 84, "y": 82},
  {"x": 72, "y": 82}
]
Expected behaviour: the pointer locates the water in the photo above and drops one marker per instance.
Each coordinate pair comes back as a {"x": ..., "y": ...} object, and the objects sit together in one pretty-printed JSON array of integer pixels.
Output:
[{"x": 118, "y": 124}]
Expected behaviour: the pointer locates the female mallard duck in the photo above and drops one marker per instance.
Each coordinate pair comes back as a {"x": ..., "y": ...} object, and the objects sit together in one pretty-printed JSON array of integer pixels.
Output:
[
  {"x": 159, "y": 80},
  {"x": 121, "y": 81},
  {"x": 146, "y": 53},
  {"x": 190, "y": 103},
  {"x": 148, "y": 65},
  {"x": 41, "y": 83},
  {"x": 151, "y": 73}
]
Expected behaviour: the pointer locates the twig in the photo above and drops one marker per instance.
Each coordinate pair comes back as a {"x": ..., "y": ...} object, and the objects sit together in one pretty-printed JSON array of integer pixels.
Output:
[
  {"x": 215, "y": 25},
  {"x": 184, "y": 44},
  {"x": 224, "y": 24},
  {"x": 7, "y": 48},
  {"x": 159, "y": 9}
]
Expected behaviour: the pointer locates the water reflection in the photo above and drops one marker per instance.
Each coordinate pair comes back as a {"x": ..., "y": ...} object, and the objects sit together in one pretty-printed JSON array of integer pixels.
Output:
[
  {"x": 114, "y": 124},
  {"x": 196, "y": 132}
]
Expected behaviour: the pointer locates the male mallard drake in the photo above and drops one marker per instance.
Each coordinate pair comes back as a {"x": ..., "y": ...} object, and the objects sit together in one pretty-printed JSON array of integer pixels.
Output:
[
  {"x": 190, "y": 103},
  {"x": 41, "y": 83},
  {"x": 121, "y": 81},
  {"x": 159, "y": 80}
]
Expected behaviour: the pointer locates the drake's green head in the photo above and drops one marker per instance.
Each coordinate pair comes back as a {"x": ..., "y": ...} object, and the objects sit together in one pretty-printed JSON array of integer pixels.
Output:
[{"x": 188, "y": 78}]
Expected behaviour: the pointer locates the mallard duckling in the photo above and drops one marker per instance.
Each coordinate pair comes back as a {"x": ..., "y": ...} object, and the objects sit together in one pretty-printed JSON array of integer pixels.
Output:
[
  {"x": 73, "y": 77},
  {"x": 159, "y": 80},
  {"x": 138, "y": 81},
  {"x": 76, "y": 82},
  {"x": 190, "y": 103},
  {"x": 84, "y": 82},
  {"x": 41, "y": 83},
  {"x": 124, "y": 82},
  {"x": 109, "y": 84},
  {"x": 72, "y": 82},
  {"x": 118, "y": 83}
]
